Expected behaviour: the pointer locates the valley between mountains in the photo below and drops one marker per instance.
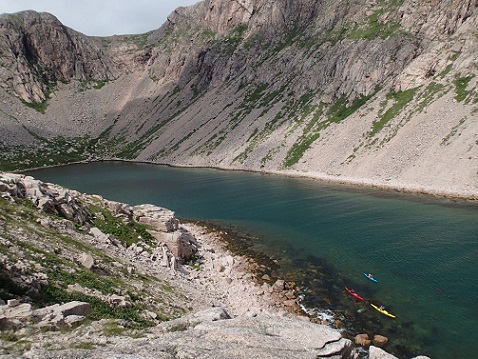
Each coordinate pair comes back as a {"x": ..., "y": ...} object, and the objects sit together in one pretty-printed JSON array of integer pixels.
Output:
[{"x": 379, "y": 93}]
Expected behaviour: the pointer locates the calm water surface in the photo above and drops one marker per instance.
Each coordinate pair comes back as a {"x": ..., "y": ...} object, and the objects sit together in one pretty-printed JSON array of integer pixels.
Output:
[{"x": 423, "y": 251}]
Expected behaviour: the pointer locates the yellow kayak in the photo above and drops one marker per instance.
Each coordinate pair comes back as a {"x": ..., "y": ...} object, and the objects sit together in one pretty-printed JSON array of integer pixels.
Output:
[{"x": 383, "y": 311}]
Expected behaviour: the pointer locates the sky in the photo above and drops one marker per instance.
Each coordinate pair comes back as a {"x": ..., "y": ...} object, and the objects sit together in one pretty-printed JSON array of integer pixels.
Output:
[{"x": 102, "y": 17}]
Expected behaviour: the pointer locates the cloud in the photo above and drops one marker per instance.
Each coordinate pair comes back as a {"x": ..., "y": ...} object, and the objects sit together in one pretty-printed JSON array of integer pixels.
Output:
[{"x": 105, "y": 17}]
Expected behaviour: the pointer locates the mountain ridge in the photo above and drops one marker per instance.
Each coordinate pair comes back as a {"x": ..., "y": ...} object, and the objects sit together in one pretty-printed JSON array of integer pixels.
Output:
[{"x": 368, "y": 92}]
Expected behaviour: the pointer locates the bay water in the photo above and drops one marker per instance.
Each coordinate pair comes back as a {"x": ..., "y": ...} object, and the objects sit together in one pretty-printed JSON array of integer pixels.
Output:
[{"x": 422, "y": 250}]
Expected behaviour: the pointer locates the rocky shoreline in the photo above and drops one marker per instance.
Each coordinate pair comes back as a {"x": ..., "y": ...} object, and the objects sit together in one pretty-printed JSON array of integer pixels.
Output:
[
  {"x": 388, "y": 185},
  {"x": 227, "y": 304}
]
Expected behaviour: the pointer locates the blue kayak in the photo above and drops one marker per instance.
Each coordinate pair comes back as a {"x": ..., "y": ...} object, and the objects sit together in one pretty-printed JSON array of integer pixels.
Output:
[{"x": 369, "y": 276}]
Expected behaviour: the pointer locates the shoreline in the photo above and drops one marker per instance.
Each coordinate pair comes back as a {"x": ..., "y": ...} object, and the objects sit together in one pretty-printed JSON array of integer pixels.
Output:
[
  {"x": 233, "y": 267},
  {"x": 257, "y": 295},
  {"x": 235, "y": 279},
  {"x": 350, "y": 182}
]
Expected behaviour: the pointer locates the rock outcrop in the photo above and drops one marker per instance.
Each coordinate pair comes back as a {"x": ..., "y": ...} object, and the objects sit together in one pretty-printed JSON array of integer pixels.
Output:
[
  {"x": 16, "y": 315},
  {"x": 37, "y": 50}
]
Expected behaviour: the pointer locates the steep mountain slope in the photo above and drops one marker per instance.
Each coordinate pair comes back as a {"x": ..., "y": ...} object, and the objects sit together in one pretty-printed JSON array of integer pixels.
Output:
[{"x": 377, "y": 92}]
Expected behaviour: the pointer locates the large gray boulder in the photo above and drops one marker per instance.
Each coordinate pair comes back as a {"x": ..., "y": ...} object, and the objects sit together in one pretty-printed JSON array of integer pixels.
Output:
[
  {"x": 269, "y": 337},
  {"x": 181, "y": 244}
]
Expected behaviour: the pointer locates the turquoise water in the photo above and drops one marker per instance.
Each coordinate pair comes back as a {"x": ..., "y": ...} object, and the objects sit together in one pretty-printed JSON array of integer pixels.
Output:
[{"x": 422, "y": 250}]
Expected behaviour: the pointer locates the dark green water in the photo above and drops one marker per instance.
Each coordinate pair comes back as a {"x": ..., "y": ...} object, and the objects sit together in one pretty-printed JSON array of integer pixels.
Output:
[{"x": 423, "y": 251}]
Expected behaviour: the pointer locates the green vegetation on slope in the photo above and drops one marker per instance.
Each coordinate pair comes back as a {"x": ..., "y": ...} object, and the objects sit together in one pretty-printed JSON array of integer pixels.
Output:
[
  {"x": 127, "y": 234},
  {"x": 56, "y": 151},
  {"x": 461, "y": 89},
  {"x": 337, "y": 112},
  {"x": 400, "y": 100},
  {"x": 45, "y": 250}
]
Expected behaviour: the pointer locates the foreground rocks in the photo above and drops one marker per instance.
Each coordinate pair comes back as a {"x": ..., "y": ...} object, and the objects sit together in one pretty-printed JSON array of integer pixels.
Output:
[
  {"x": 16, "y": 315},
  {"x": 210, "y": 307}
]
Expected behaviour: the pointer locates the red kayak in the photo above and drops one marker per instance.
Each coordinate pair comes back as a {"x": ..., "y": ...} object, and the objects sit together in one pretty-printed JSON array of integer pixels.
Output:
[{"x": 353, "y": 294}]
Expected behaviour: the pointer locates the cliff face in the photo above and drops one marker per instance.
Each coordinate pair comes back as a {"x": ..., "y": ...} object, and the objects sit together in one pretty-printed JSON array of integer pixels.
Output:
[
  {"x": 37, "y": 50},
  {"x": 382, "y": 92}
]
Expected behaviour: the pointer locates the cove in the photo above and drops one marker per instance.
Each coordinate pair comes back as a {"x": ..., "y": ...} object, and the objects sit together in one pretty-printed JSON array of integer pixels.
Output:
[{"x": 422, "y": 250}]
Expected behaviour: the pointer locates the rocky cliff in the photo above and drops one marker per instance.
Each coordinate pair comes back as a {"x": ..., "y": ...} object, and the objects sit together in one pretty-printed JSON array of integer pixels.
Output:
[{"x": 376, "y": 92}]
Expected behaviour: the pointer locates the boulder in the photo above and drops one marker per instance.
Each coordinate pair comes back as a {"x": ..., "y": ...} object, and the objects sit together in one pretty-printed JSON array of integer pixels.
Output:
[
  {"x": 279, "y": 285},
  {"x": 67, "y": 210},
  {"x": 86, "y": 260},
  {"x": 118, "y": 208},
  {"x": 119, "y": 301},
  {"x": 379, "y": 340},
  {"x": 46, "y": 205},
  {"x": 272, "y": 337},
  {"x": 160, "y": 218},
  {"x": 73, "y": 321},
  {"x": 73, "y": 308},
  {"x": 3, "y": 187},
  {"x": 377, "y": 353},
  {"x": 103, "y": 237},
  {"x": 57, "y": 316},
  {"x": 181, "y": 244},
  {"x": 211, "y": 315},
  {"x": 22, "y": 312},
  {"x": 13, "y": 303},
  {"x": 363, "y": 340},
  {"x": 40, "y": 313}
]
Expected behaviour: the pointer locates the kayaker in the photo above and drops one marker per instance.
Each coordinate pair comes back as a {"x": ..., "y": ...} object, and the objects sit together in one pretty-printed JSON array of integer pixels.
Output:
[
  {"x": 369, "y": 275},
  {"x": 382, "y": 307}
]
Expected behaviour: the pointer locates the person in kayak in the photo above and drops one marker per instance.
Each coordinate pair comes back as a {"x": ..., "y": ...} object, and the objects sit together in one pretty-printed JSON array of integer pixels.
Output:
[{"x": 369, "y": 275}]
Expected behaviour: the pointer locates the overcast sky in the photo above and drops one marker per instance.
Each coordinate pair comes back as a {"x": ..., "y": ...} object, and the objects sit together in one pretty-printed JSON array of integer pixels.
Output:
[{"x": 103, "y": 17}]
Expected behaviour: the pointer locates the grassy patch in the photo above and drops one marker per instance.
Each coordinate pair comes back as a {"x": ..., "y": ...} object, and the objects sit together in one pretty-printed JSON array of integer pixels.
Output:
[
  {"x": 132, "y": 149},
  {"x": 233, "y": 39},
  {"x": 291, "y": 38},
  {"x": 85, "y": 278},
  {"x": 432, "y": 91},
  {"x": 37, "y": 106},
  {"x": 212, "y": 143},
  {"x": 139, "y": 40},
  {"x": 179, "y": 328},
  {"x": 374, "y": 28},
  {"x": 86, "y": 346},
  {"x": 461, "y": 85},
  {"x": 112, "y": 328},
  {"x": 55, "y": 151},
  {"x": 127, "y": 234},
  {"x": 92, "y": 84},
  {"x": 99, "y": 310},
  {"x": 337, "y": 112},
  {"x": 447, "y": 139},
  {"x": 400, "y": 99},
  {"x": 207, "y": 35},
  {"x": 42, "y": 106}
]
